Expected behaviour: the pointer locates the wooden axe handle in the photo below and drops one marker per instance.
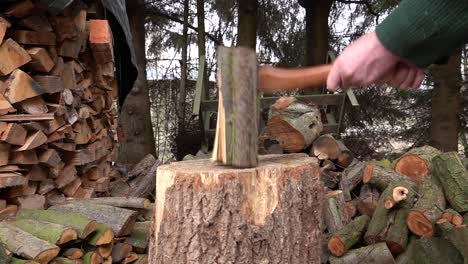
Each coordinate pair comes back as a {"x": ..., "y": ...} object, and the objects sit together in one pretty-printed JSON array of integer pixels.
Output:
[{"x": 271, "y": 79}]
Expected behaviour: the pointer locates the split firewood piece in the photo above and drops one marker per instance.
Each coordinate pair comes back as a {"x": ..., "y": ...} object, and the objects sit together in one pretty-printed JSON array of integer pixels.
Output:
[
  {"x": 378, "y": 253},
  {"x": 103, "y": 236},
  {"x": 334, "y": 212},
  {"x": 41, "y": 60},
  {"x": 58, "y": 68},
  {"x": 83, "y": 225},
  {"x": 65, "y": 27},
  {"x": 123, "y": 202},
  {"x": 5, "y": 106},
  {"x": 120, "y": 220},
  {"x": 15, "y": 240},
  {"x": 70, "y": 48},
  {"x": 35, "y": 105},
  {"x": 3, "y": 204},
  {"x": 46, "y": 186},
  {"x": 351, "y": 177},
  {"x": 23, "y": 190},
  {"x": 453, "y": 217},
  {"x": 381, "y": 177},
  {"x": 453, "y": 177},
  {"x": 20, "y": 9},
  {"x": 458, "y": 236},
  {"x": 4, "y": 153},
  {"x": 120, "y": 251},
  {"x": 38, "y": 173},
  {"x": 139, "y": 238},
  {"x": 50, "y": 157},
  {"x": 9, "y": 179},
  {"x": 12, "y": 57},
  {"x": 51, "y": 84},
  {"x": 53, "y": 233},
  {"x": 432, "y": 250},
  {"x": 238, "y": 108},
  {"x": 428, "y": 209},
  {"x": 348, "y": 236},
  {"x": 28, "y": 157},
  {"x": 326, "y": 147},
  {"x": 62, "y": 260},
  {"x": 23, "y": 118},
  {"x": 33, "y": 37},
  {"x": 73, "y": 253},
  {"x": 416, "y": 163},
  {"x": 69, "y": 76},
  {"x": 9, "y": 211},
  {"x": 367, "y": 200},
  {"x": 72, "y": 188},
  {"x": 66, "y": 176},
  {"x": 100, "y": 38},
  {"x": 33, "y": 141},
  {"x": 37, "y": 23},
  {"x": 14, "y": 134},
  {"x": 131, "y": 258},
  {"x": 20, "y": 86},
  {"x": 92, "y": 258},
  {"x": 34, "y": 201},
  {"x": 54, "y": 197},
  {"x": 294, "y": 127}
]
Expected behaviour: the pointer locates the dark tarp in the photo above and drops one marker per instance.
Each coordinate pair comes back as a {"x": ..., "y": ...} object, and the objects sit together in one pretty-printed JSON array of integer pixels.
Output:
[{"x": 125, "y": 59}]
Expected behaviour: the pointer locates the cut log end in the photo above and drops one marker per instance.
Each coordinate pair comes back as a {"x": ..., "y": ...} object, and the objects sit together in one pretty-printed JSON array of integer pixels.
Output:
[
  {"x": 413, "y": 167},
  {"x": 457, "y": 220},
  {"x": 67, "y": 236},
  {"x": 399, "y": 194},
  {"x": 90, "y": 228},
  {"x": 47, "y": 255},
  {"x": 336, "y": 246},
  {"x": 419, "y": 224},
  {"x": 288, "y": 137}
]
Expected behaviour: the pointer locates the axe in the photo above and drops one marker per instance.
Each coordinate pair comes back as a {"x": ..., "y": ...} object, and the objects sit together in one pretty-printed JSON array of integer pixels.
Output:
[{"x": 239, "y": 79}]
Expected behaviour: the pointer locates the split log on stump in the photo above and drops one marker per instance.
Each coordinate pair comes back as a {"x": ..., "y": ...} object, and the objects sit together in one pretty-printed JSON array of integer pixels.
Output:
[
  {"x": 432, "y": 250},
  {"x": 82, "y": 224},
  {"x": 123, "y": 202},
  {"x": 139, "y": 238},
  {"x": 367, "y": 200},
  {"x": 428, "y": 209},
  {"x": 457, "y": 235},
  {"x": 275, "y": 208},
  {"x": 236, "y": 141},
  {"x": 377, "y": 253},
  {"x": 351, "y": 177},
  {"x": 294, "y": 127},
  {"x": 120, "y": 220},
  {"x": 103, "y": 236},
  {"x": 26, "y": 245},
  {"x": 381, "y": 177},
  {"x": 453, "y": 177},
  {"x": 50, "y": 232},
  {"x": 416, "y": 163},
  {"x": 334, "y": 211},
  {"x": 348, "y": 236}
]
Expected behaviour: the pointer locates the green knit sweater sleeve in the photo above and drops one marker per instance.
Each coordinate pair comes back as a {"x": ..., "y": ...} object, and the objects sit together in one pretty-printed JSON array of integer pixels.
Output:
[{"x": 425, "y": 31}]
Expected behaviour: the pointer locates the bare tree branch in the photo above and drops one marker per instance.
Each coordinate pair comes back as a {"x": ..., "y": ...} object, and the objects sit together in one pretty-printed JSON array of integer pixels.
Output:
[{"x": 362, "y": 2}]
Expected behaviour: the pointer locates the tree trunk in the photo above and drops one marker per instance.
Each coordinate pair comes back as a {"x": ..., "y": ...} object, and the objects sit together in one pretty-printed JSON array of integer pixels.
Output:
[
  {"x": 135, "y": 118},
  {"x": 446, "y": 104},
  {"x": 183, "y": 75},
  {"x": 215, "y": 214},
  {"x": 247, "y": 25}
]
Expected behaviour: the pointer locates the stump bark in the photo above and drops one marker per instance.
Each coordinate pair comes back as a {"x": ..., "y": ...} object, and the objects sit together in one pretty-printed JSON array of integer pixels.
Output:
[{"x": 207, "y": 213}]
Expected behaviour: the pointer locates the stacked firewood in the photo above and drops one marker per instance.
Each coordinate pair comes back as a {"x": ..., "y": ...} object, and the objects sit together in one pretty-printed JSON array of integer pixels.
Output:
[
  {"x": 411, "y": 208},
  {"x": 96, "y": 230},
  {"x": 57, "y": 105}
]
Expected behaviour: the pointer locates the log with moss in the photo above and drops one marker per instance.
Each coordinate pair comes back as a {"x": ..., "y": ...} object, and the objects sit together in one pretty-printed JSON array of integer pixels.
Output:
[
  {"x": 85, "y": 226},
  {"x": 53, "y": 233},
  {"x": 103, "y": 235},
  {"x": 381, "y": 177},
  {"x": 428, "y": 209},
  {"x": 417, "y": 162},
  {"x": 26, "y": 245},
  {"x": 21, "y": 261},
  {"x": 236, "y": 140},
  {"x": 397, "y": 234},
  {"x": 334, "y": 211},
  {"x": 367, "y": 200},
  {"x": 139, "y": 237},
  {"x": 62, "y": 260},
  {"x": 119, "y": 219},
  {"x": 453, "y": 177},
  {"x": 348, "y": 236},
  {"x": 4, "y": 256},
  {"x": 376, "y": 253},
  {"x": 432, "y": 250},
  {"x": 453, "y": 217},
  {"x": 458, "y": 236},
  {"x": 351, "y": 177},
  {"x": 123, "y": 202}
]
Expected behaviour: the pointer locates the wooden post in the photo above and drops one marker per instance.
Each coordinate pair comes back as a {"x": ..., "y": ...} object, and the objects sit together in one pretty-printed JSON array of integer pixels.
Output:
[
  {"x": 207, "y": 213},
  {"x": 236, "y": 141}
]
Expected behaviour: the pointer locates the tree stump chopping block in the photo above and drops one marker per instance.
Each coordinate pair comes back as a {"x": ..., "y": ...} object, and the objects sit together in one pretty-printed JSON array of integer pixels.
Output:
[{"x": 206, "y": 213}]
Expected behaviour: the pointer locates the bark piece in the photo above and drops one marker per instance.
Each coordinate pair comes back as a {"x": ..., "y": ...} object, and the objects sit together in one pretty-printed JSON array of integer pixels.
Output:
[
  {"x": 102, "y": 236},
  {"x": 239, "y": 195},
  {"x": 12, "y": 56},
  {"x": 50, "y": 232},
  {"x": 41, "y": 60},
  {"x": 236, "y": 141},
  {"x": 33, "y": 37},
  {"x": 416, "y": 163},
  {"x": 100, "y": 38},
  {"x": 20, "y": 86},
  {"x": 453, "y": 177},
  {"x": 294, "y": 127},
  {"x": 381, "y": 177},
  {"x": 334, "y": 211},
  {"x": 377, "y": 253},
  {"x": 428, "y": 209},
  {"x": 139, "y": 237},
  {"x": 432, "y": 251},
  {"x": 15, "y": 239},
  {"x": 82, "y": 224},
  {"x": 120, "y": 220},
  {"x": 348, "y": 236}
]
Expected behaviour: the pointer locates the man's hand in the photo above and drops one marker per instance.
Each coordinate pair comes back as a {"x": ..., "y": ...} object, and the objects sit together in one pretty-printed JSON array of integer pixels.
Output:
[{"x": 366, "y": 61}]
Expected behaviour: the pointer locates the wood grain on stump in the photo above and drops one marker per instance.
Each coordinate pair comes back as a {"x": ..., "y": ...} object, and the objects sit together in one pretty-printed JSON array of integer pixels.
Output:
[{"x": 215, "y": 214}]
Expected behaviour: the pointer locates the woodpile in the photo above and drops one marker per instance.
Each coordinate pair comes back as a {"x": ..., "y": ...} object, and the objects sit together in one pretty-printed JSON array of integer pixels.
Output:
[
  {"x": 97, "y": 230},
  {"x": 57, "y": 110}
]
